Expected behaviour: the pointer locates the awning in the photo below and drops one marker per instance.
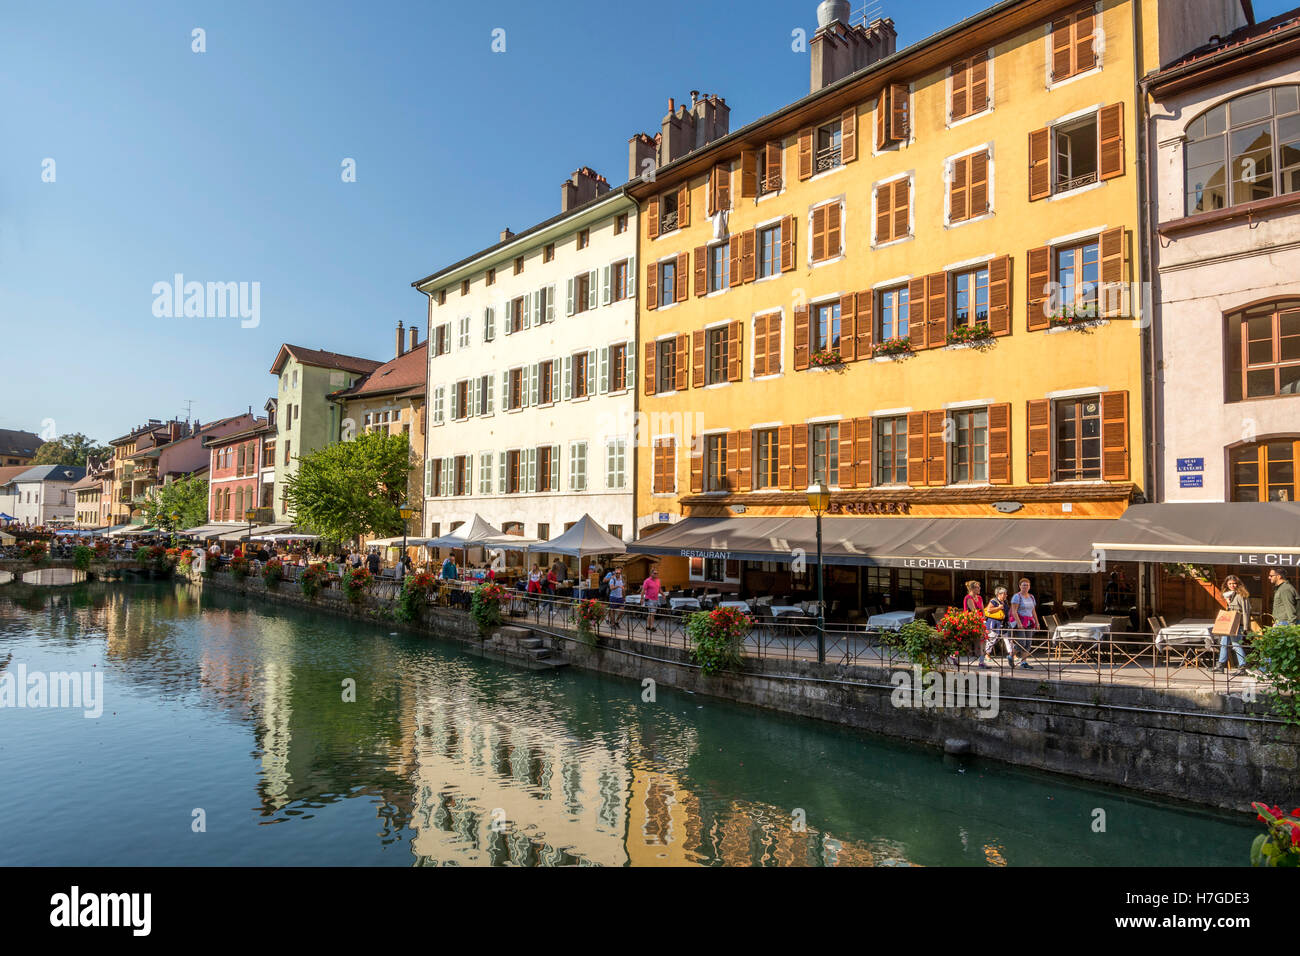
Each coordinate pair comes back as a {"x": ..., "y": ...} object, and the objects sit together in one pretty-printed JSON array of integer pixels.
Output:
[
  {"x": 240, "y": 532},
  {"x": 471, "y": 534},
  {"x": 1239, "y": 533},
  {"x": 958, "y": 544},
  {"x": 198, "y": 532},
  {"x": 584, "y": 538}
]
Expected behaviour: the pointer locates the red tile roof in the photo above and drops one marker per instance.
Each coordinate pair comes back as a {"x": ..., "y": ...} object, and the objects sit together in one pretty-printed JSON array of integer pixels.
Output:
[
  {"x": 1239, "y": 37},
  {"x": 323, "y": 359},
  {"x": 405, "y": 373}
]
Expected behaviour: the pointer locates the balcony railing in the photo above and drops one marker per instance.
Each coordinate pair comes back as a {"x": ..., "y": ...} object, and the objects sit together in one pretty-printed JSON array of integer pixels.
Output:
[
  {"x": 1065, "y": 185},
  {"x": 827, "y": 158},
  {"x": 667, "y": 222},
  {"x": 771, "y": 184}
]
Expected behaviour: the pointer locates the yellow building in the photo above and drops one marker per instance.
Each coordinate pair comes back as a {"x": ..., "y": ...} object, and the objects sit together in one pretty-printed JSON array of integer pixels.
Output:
[{"x": 919, "y": 285}]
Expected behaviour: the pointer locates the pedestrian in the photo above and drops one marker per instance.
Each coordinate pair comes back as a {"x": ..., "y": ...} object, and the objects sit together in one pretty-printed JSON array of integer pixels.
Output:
[
  {"x": 372, "y": 561},
  {"x": 650, "y": 590},
  {"x": 974, "y": 603},
  {"x": 449, "y": 572},
  {"x": 550, "y": 582},
  {"x": 1023, "y": 617},
  {"x": 1238, "y": 599},
  {"x": 617, "y": 588},
  {"x": 995, "y": 619},
  {"x": 535, "y": 582},
  {"x": 1285, "y": 600}
]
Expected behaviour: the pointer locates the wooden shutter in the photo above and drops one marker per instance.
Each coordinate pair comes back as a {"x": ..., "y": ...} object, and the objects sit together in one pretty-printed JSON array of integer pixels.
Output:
[
  {"x": 959, "y": 191},
  {"x": 936, "y": 449},
  {"x": 818, "y": 238},
  {"x": 1040, "y": 164},
  {"x": 680, "y": 294},
  {"x": 697, "y": 464},
  {"x": 979, "y": 85},
  {"x": 1000, "y": 444},
  {"x": 882, "y": 119},
  {"x": 960, "y": 107},
  {"x": 1085, "y": 54},
  {"x": 735, "y": 350},
  {"x": 902, "y": 207},
  {"x": 784, "y": 453},
  {"x": 760, "y": 345},
  {"x": 651, "y": 287},
  {"x": 749, "y": 262},
  {"x": 1114, "y": 290},
  {"x": 733, "y": 461},
  {"x": 1062, "y": 48},
  {"x": 799, "y": 458},
  {"x": 701, "y": 271},
  {"x": 683, "y": 366},
  {"x": 979, "y": 184},
  {"x": 1110, "y": 128},
  {"x": 805, "y": 153},
  {"x": 936, "y": 310},
  {"x": 698, "y": 358},
  {"x": 649, "y": 376},
  {"x": 1114, "y": 436},
  {"x": 847, "y": 476},
  {"x": 834, "y": 239},
  {"x": 916, "y": 448},
  {"x": 1040, "y": 276},
  {"x": 1000, "y": 296},
  {"x": 711, "y": 197},
  {"x": 748, "y": 173},
  {"x": 684, "y": 205},
  {"x": 744, "y": 461},
  {"x": 652, "y": 217},
  {"x": 1039, "y": 418},
  {"x": 774, "y": 344},
  {"x": 801, "y": 351},
  {"x": 787, "y": 244},
  {"x": 899, "y": 121},
  {"x": 722, "y": 186},
  {"x": 916, "y": 302},
  {"x": 864, "y": 325},
  {"x": 862, "y": 474},
  {"x": 773, "y": 156},
  {"x": 884, "y": 212},
  {"x": 849, "y": 135},
  {"x": 734, "y": 249},
  {"x": 848, "y": 327}
]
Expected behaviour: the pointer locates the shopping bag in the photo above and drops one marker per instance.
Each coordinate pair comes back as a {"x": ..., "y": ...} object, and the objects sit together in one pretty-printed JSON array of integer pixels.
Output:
[{"x": 1227, "y": 622}]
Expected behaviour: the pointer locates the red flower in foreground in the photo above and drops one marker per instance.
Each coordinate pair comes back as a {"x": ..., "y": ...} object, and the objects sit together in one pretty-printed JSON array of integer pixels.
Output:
[{"x": 1296, "y": 812}]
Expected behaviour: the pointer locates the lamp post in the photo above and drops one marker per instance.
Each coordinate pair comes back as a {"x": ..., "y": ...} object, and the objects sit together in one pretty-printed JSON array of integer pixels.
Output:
[
  {"x": 249, "y": 515},
  {"x": 405, "y": 511},
  {"x": 819, "y": 500},
  {"x": 175, "y": 519}
]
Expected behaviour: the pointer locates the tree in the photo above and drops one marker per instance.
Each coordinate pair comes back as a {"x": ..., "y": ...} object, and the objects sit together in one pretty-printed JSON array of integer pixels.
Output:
[
  {"x": 187, "y": 497},
  {"x": 352, "y": 488},
  {"x": 71, "y": 450}
]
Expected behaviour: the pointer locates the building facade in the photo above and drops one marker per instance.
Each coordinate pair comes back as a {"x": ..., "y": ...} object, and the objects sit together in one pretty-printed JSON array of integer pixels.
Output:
[
  {"x": 237, "y": 473},
  {"x": 44, "y": 495},
  {"x": 531, "y": 349},
  {"x": 18, "y": 447}
]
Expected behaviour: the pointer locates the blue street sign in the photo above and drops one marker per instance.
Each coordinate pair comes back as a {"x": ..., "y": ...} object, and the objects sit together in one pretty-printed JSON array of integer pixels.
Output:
[
  {"x": 1191, "y": 464},
  {"x": 1190, "y": 481}
]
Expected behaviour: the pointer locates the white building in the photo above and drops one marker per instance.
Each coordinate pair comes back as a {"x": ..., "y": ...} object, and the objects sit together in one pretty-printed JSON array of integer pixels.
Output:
[
  {"x": 532, "y": 347},
  {"x": 43, "y": 495}
]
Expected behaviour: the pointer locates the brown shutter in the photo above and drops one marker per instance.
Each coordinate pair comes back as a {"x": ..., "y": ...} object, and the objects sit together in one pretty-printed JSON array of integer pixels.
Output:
[
  {"x": 683, "y": 268},
  {"x": 652, "y": 285},
  {"x": 1039, "y": 419},
  {"x": 936, "y": 310},
  {"x": 1110, "y": 127},
  {"x": 801, "y": 337},
  {"x": 882, "y": 119},
  {"x": 735, "y": 351},
  {"x": 959, "y": 192},
  {"x": 774, "y": 343},
  {"x": 916, "y": 313},
  {"x": 862, "y": 475},
  {"x": 847, "y": 476},
  {"x": 1040, "y": 168},
  {"x": 722, "y": 188},
  {"x": 1040, "y": 276},
  {"x": 833, "y": 239},
  {"x": 697, "y": 359},
  {"x": 979, "y": 85},
  {"x": 711, "y": 199},
  {"x": 916, "y": 448},
  {"x": 760, "y": 345},
  {"x": 652, "y": 217},
  {"x": 884, "y": 212},
  {"x": 697, "y": 464},
  {"x": 682, "y": 363},
  {"x": 960, "y": 72},
  {"x": 657, "y": 479},
  {"x": 701, "y": 271},
  {"x": 787, "y": 244},
  {"x": 936, "y": 449},
  {"x": 649, "y": 377},
  {"x": 734, "y": 248},
  {"x": 799, "y": 458},
  {"x": 733, "y": 461},
  {"x": 773, "y": 156},
  {"x": 899, "y": 120},
  {"x": 1000, "y": 444},
  {"x": 902, "y": 207},
  {"x": 1114, "y": 436},
  {"x": 749, "y": 262},
  {"x": 684, "y": 205},
  {"x": 1000, "y": 296},
  {"x": 748, "y": 174},
  {"x": 785, "y": 450},
  {"x": 818, "y": 238},
  {"x": 864, "y": 325},
  {"x": 1114, "y": 290},
  {"x": 1085, "y": 55},
  {"x": 848, "y": 328},
  {"x": 849, "y": 135},
  {"x": 979, "y": 184},
  {"x": 745, "y": 461},
  {"x": 805, "y": 154},
  {"x": 1062, "y": 47}
]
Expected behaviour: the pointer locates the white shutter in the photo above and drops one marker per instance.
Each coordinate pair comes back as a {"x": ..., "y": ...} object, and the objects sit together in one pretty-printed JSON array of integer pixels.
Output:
[
  {"x": 539, "y": 308},
  {"x": 591, "y": 372},
  {"x": 568, "y": 377},
  {"x": 531, "y": 482},
  {"x": 505, "y": 391},
  {"x": 489, "y": 324},
  {"x": 555, "y": 467},
  {"x": 437, "y": 404},
  {"x": 469, "y": 474},
  {"x": 509, "y": 315},
  {"x": 557, "y": 370},
  {"x": 550, "y": 302},
  {"x": 489, "y": 381},
  {"x": 474, "y": 385},
  {"x": 568, "y": 309},
  {"x": 503, "y": 485},
  {"x": 593, "y": 289},
  {"x": 604, "y": 286},
  {"x": 534, "y": 383},
  {"x": 629, "y": 363},
  {"x": 448, "y": 476},
  {"x": 455, "y": 402},
  {"x": 527, "y": 318},
  {"x": 631, "y": 277},
  {"x": 428, "y": 477},
  {"x": 604, "y": 370}
]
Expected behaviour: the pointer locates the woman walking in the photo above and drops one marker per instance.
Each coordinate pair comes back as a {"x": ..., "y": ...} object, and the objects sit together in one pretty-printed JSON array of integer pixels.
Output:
[
  {"x": 995, "y": 619},
  {"x": 1238, "y": 600},
  {"x": 973, "y": 603},
  {"x": 1024, "y": 617}
]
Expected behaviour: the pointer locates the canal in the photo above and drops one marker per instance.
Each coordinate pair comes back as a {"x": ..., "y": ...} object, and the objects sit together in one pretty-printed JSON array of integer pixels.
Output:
[{"x": 229, "y": 736}]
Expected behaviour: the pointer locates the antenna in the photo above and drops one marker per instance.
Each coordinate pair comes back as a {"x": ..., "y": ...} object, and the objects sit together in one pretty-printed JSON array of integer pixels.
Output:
[
  {"x": 871, "y": 10},
  {"x": 189, "y": 407}
]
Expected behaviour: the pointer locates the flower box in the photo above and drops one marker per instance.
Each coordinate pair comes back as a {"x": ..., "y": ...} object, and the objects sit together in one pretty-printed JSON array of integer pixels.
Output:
[
  {"x": 970, "y": 334},
  {"x": 891, "y": 348},
  {"x": 827, "y": 358}
]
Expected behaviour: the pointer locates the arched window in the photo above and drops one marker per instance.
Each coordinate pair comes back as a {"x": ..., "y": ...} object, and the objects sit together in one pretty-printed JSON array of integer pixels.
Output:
[
  {"x": 1245, "y": 149},
  {"x": 1264, "y": 351},
  {"x": 1266, "y": 470}
]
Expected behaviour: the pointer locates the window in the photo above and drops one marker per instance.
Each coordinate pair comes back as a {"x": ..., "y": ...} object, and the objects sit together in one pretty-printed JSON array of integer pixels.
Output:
[
  {"x": 461, "y": 472},
  {"x": 287, "y": 444},
  {"x": 489, "y": 324},
  {"x": 546, "y": 468},
  {"x": 968, "y": 190},
  {"x": 620, "y": 224},
  {"x": 442, "y": 296},
  {"x": 827, "y": 147},
  {"x": 584, "y": 238},
  {"x": 666, "y": 365},
  {"x": 719, "y": 266},
  {"x": 893, "y": 210},
  {"x": 769, "y": 168},
  {"x": 667, "y": 212},
  {"x": 970, "y": 87},
  {"x": 767, "y": 344},
  {"x": 1264, "y": 351},
  {"x": 970, "y": 446},
  {"x": 462, "y": 338},
  {"x": 1075, "y": 153},
  {"x": 616, "y": 464},
  {"x": 893, "y": 314},
  {"x": 546, "y": 383},
  {"x": 827, "y": 240},
  {"x": 893, "y": 116},
  {"x": 519, "y": 264},
  {"x": 667, "y": 282},
  {"x": 485, "y": 473},
  {"x": 1078, "y": 270},
  {"x": 491, "y": 277},
  {"x": 578, "y": 466},
  {"x": 582, "y": 292},
  {"x": 1078, "y": 439},
  {"x": 543, "y": 531},
  {"x": 442, "y": 339},
  {"x": 464, "y": 287},
  {"x": 970, "y": 298},
  {"x": 1244, "y": 150},
  {"x": 617, "y": 367},
  {"x": 769, "y": 251},
  {"x": 1073, "y": 46},
  {"x": 581, "y": 374},
  {"x": 664, "y": 478},
  {"x": 516, "y": 316},
  {"x": 515, "y": 399},
  {"x": 825, "y": 454},
  {"x": 715, "y": 359},
  {"x": 1266, "y": 471},
  {"x": 715, "y": 463},
  {"x": 616, "y": 530},
  {"x": 618, "y": 281},
  {"x": 891, "y": 450},
  {"x": 513, "y": 473},
  {"x": 548, "y": 252},
  {"x": 826, "y": 327}
]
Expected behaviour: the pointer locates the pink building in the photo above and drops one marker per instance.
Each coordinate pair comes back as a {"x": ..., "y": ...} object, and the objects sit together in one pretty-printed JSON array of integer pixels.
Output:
[{"x": 235, "y": 474}]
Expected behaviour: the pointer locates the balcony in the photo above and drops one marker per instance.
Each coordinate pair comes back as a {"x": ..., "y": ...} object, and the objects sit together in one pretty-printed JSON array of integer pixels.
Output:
[
  {"x": 667, "y": 222},
  {"x": 1078, "y": 182},
  {"x": 827, "y": 158}
]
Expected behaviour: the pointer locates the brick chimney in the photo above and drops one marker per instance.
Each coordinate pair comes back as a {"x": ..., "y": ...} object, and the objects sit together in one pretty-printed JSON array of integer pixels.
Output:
[
  {"x": 642, "y": 155},
  {"x": 838, "y": 49},
  {"x": 582, "y": 187},
  {"x": 415, "y": 337},
  {"x": 683, "y": 129},
  {"x": 506, "y": 234},
  {"x": 401, "y": 339}
]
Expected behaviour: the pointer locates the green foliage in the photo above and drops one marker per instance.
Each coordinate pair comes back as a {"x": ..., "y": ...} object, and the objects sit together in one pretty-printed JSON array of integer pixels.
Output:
[
  {"x": 81, "y": 556},
  {"x": 355, "y": 581},
  {"x": 1277, "y": 651},
  {"x": 273, "y": 573},
  {"x": 415, "y": 595},
  {"x": 312, "y": 580},
  {"x": 1280, "y": 846},
  {"x": 72, "y": 450},
  {"x": 923, "y": 644},
  {"x": 186, "y": 497},
  {"x": 716, "y": 638},
  {"x": 485, "y": 606},
  {"x": 352, "y": 488},
  {"x": 36, "y": 552}
]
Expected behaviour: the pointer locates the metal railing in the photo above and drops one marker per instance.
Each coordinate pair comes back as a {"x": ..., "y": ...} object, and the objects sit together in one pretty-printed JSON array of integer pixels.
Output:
[
  {"x": 1065, "y": 185},
  {"x": 826, "y": 158}
]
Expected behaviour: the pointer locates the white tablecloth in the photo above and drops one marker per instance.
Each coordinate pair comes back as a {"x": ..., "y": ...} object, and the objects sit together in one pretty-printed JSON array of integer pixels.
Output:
[
  {"x": 1081, "y": 632},
  {"x": 891, "y": 620},
  {"x": 684, "y": 603},
  {"x": 1187, "y": 635},
  {"x": 788, "y": 610},
  {"x": 738, "y": 605}
]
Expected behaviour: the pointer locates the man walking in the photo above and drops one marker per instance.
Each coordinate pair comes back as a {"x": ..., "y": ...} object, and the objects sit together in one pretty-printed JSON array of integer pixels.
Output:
[{"x": 1284, "y": 599}]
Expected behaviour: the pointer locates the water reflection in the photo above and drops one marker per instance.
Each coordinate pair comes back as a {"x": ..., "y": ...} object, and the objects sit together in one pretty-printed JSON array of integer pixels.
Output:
[{"x": 53, "y": 577}]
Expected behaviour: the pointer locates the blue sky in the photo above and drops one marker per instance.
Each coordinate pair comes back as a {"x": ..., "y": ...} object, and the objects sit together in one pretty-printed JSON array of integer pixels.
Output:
[{"x": 225, "y": 166}]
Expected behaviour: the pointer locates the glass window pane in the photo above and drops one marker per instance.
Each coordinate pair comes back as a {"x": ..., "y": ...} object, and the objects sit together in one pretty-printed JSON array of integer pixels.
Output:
[
  {"x": 1216, "y": 121},
  {"x": 1252, "y": 107},
  {"x": 1287, "y": 99},
  {"x": 1259, "y": 383},
  {"x": 1252, "y": 163}
]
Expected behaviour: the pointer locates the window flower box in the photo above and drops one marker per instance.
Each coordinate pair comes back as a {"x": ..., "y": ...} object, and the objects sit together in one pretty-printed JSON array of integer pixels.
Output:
[
  {"x": 1073, "y": 318},
  {"x": 892, "y": 348},
  {"x": 827, "y": 358},
  {"x": 971, "y": 335}
]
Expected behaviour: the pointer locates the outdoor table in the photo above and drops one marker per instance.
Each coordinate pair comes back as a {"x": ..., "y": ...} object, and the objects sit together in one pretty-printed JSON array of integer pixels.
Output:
[
  {"x": 738, "y": 605},
  {"x": 684, "y": 603},
  {"x": 634, "y": 600},
  {"x": 891, "y": 620},
  {"x": 1189, "y": 634}
]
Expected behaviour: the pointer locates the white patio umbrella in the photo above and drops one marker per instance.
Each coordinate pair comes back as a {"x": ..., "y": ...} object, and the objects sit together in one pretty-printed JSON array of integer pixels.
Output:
[{"x": 586, "y": 537}]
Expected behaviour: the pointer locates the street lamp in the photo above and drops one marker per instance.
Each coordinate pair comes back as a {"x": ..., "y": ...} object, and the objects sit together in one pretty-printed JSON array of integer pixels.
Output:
[
  {"x": 819, "y": 501},
  {"x": 249, "y": 515},
  {"x": 405, "y": 511},
  {"x": 175, "y": 519}
]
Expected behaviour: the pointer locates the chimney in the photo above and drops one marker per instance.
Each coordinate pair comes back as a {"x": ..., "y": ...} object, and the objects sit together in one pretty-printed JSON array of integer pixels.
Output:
[
  {"x": 838, "y": 49},
  {"x": 583, "y": 186},
  {"x": 641, "y": 155},
  {"x": 415, "y": 337},
  {"x": 685, "y": 129},
  {"x": 506, "y": 234},
  {"x": 401, "y": 340}
]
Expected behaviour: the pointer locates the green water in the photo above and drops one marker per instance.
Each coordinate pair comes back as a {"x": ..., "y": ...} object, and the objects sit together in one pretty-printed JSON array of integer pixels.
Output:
[{"x": 237, "y": 710}]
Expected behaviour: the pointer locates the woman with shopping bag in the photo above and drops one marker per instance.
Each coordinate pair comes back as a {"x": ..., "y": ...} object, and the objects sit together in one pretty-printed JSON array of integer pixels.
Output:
[{"x": 1232, "y": 624}]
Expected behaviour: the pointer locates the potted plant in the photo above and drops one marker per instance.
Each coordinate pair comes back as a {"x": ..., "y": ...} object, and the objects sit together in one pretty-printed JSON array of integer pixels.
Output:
[
  {"x": 485, "y": 606},
  {"x": 970, "y": 334},
  {"x": 312, "y": 580},
  {"x": 1280, "y": 846},
  {"x": 960, "y": 632},
  {"x": 892, "y": 348},
  {"x": 415, "y": 593},
  {"x": 716, "y": 638},
  {"x": 826, "y": 358},
  {"x": 81, "y": 556},
  {"x": 1069, "y": 316},
  {"x": 355, "y": 582},
  {"x": 273, "y": 573},
  {"x": 240, "y": 567},
  {"x": 36, "y": 552},
  {"x": 589, "y": 614}
]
